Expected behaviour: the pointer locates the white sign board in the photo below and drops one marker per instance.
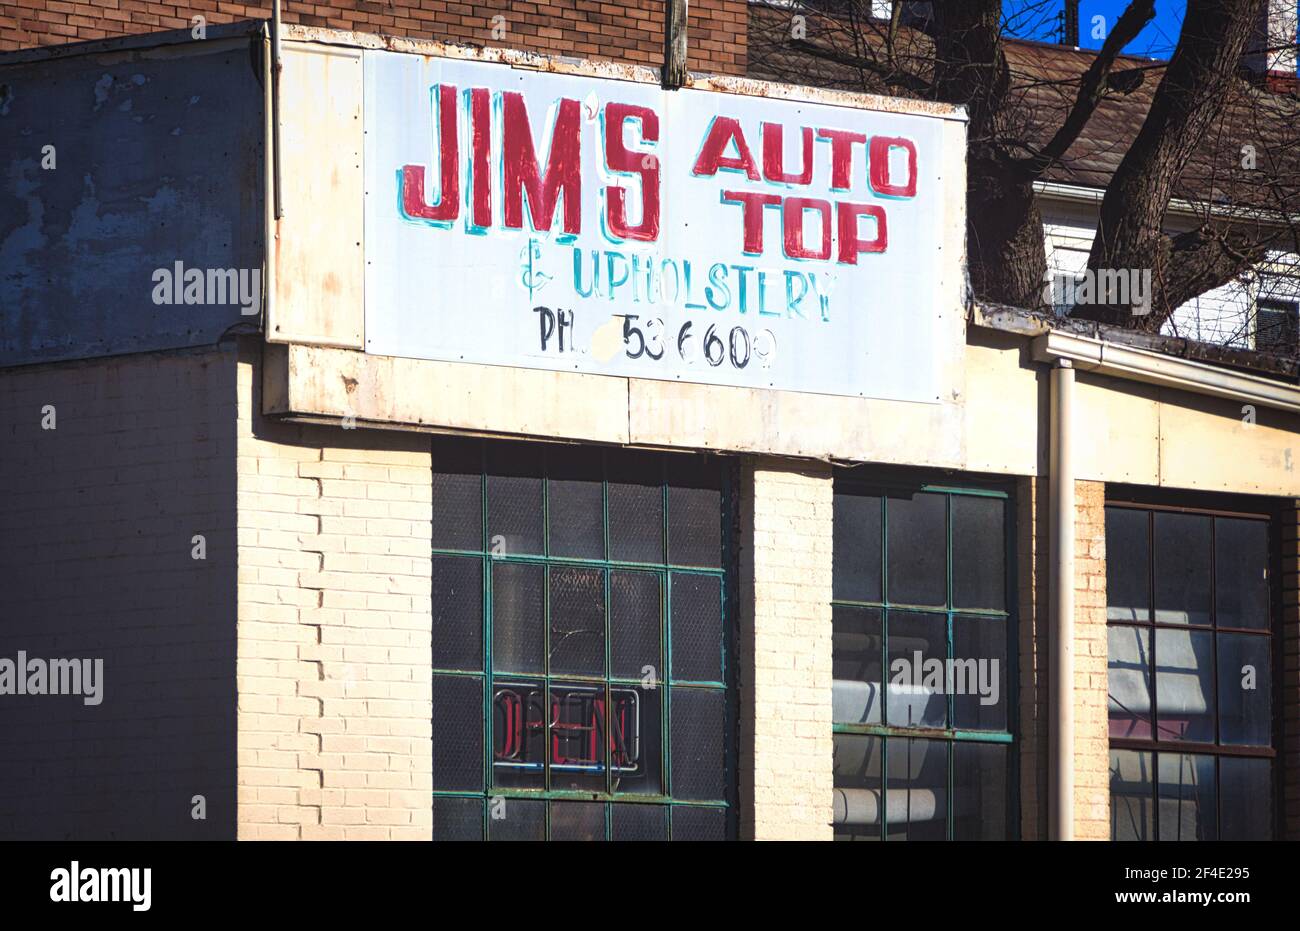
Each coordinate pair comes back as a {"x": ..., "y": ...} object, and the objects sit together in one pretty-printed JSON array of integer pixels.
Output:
[{"x": 584, "y": 224}]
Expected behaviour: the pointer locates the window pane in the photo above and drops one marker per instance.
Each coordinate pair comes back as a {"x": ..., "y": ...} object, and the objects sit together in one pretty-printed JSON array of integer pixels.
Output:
[
  {"x": 639, "y": 822},
  {"x": 516, "y": 819},
  {"x": 577, "y": 621},
  {"x": 1241, "y": 573},
  {"x": 1245, "y": 689},
  {"x": 457, "y": 818},
  {"x": 979, "y": 673},
  {"x": 1187, "y": 797},
  {"x": 855, "y": 533},
  {"x": 457, "y": 495},
  {"x": 458, "y": 732},
  {"x": 696, "y": 627},
  {"x": 1128, "y": 565},
  {"x": 1128, "y": 668},
  {"x": 857, "y": 763},
  {"x": 916, "y": 793},
  {"x": 517, "y": 609},
  {"x": 514, "y": 490},
  {"x": 1131, "y": 814},
  {"x": 518, "y": 733},
  {"x": 918, "y": 550},
  {"x": 694, "y": 511},
  {"x": 1246, "y": 790},
  {"x": 635, "y": 613},
  {"x": 575, "y": 509},
  {"x": 636, "y": 507},
  {"x": 691, "y": 823},
  {"x": 856, "y": 663},
  {"x": 1182, "y": 568},
  {"x": 458, "y": 613},
  {"x": 579, "y": 741},
  {"x": 698, "y": 721},
  {"x": 577, "y": 820},
  {"x": 979, "y": 774},
  {"x": 1185, "y": 685},
  {"x": 918, "y": 650},
  {"x": 635, "y": 736},
  {"x": 978, "y": 552}
]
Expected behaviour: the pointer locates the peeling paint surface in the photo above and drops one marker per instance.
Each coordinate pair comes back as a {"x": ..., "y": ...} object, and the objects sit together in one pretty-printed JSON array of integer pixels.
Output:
[{"x": 156, "y": 160}]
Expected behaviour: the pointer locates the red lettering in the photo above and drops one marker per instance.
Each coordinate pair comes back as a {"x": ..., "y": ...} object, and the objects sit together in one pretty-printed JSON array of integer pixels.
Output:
[
  {"x": 842, "y": 142},
  {"x": 792, "y": 219},
  {"x": 850, "y": 244},
  {"x": 879, "y": 155},
  {"x": 447, "y": 208},
  {"x": 480, "y": 169},
  {"x": 752, "y": 217},
  {"x": 774, "y": 155},
  {"x": 722, "y": 131},
  {"x": 619, "y": 158},
  {"x": 563, "y": 174}
]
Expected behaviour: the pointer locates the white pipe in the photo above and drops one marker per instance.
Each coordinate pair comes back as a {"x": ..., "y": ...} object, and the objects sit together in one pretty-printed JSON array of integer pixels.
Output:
[{"x": 1060, "y": 803}]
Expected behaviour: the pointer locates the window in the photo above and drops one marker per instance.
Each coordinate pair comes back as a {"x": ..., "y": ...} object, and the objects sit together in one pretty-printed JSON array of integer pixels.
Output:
[
  {"x": 1276, "y": 326},
  {"x": 922, "y": 663},
  {"x": 580, "y": 644},
  {"x": 1190, "y": 644}
]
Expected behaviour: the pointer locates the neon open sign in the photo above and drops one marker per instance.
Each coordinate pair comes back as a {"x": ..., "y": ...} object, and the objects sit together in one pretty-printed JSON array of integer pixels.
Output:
[{"x": 581, "y": 729}]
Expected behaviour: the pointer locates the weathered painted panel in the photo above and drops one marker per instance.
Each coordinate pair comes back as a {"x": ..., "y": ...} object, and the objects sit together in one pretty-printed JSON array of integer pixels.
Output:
[{"x": 156, "y": 159}]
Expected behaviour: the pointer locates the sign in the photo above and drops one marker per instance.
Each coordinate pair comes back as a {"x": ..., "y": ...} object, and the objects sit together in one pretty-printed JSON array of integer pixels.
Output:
[{"x": 594, "y": 225}]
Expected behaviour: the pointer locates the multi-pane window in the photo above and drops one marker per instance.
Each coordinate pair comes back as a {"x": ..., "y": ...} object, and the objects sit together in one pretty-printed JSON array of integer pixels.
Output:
[
  {"x": 922, "y": 663},
  {"x": 1190, "y": 641},
  {"x": 580, "y": 645}
]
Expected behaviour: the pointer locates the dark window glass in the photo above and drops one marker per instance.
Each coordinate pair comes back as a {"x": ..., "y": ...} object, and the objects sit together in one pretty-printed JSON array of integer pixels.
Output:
[
  {"x": 1186, "y": 797},
  {"x": 1132, "y": 816},
  {"x": 1246, "y": 806},
  {"x": 979, "y": 790},
  {"x": 698, "y": 719},
  {"x": 858, "y": 759},
  {"x": 635, "y": 737},
  {"x": 517, "y": 617},
  {"x": 580, "y": 735},
  {"x": 694, "y": 512},
  {"x": 516, "y": 819},
  {"x": 697, "y": 627},
  {"x": 639, "y": 822},
  {"x": 577, "y": 621},
  {"x": 918, "y": 549},
  {"x": 457, "y": 612},
  {"x": 636, "y": 508},
  {"x": 635, "y": 609},
  {"x": 1182, "y": 568},
  {"x": 457, "y": 495},
  {"x": 457, "y": 818},
  {"x": 1128, "y": 565},
  {"x": 856, "y": 664},
  {"x": 577, "y": 820},
  {"x": 693, "y": 823},
  {"x": 978, "y": 552},
  {"x": 458, "y": 722},
  {"x": 918, "y": 651},
  {"x": 1128, "y": 668},
  {"x": 1241, "y": 573},
  {"x": 519, "y": 724},
  {"x": 979, "y": 673},
  {"x": 1245, "y": 690},
  {"x": 514, "y": 490},
  {"x": 576, "y": 505},
  {"x": 856, "y": 547},
  {"x": 916, "y": 789},
  {"x": 1185, "y": 708}
]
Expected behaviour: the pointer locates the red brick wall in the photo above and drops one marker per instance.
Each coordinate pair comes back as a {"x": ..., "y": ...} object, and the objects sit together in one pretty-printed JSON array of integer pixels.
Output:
[{"x": 626, "y": 30}]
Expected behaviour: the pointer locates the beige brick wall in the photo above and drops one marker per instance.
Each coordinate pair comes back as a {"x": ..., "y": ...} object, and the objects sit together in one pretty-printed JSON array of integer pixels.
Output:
[
  {"x": 1091, "y": 737},
  {"x": 97, "y": 521},
  {"x": 785, "y": 651},
  {"x": 334, "y": 628}
]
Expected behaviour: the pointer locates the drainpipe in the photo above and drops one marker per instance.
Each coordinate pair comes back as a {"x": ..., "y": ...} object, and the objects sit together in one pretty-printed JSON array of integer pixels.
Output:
[{"x": 1060, "y": 804}]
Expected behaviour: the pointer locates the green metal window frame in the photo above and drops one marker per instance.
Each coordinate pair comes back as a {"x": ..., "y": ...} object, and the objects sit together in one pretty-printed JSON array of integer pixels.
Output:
[
  {"x": 953, "y": 735},
  {"x": 665, "y": 682}
]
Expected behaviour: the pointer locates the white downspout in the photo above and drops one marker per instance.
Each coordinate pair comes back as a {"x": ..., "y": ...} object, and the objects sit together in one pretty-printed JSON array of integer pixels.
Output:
[{"x": 1061, "y": 581}]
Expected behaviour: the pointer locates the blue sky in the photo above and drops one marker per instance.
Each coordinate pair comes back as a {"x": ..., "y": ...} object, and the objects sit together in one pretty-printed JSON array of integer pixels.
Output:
[{"x": 1157, "y": 40}]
